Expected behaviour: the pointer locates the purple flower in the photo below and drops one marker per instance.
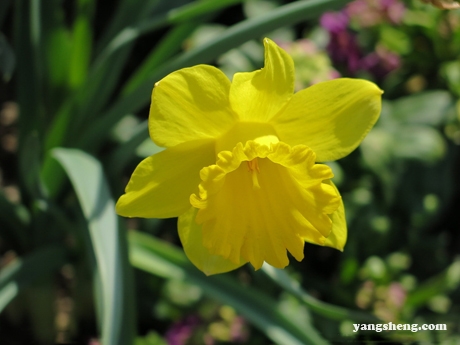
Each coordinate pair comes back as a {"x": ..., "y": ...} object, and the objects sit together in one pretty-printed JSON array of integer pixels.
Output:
[
  {"x": 381, "y": 62},
  {"x": 334, "y": 22},
  {"x": 238, "y": 331},
  {"x": 397, "y": 295},
  {"x": 343, "y": 47},
  {"x": 182, "y": 330}
]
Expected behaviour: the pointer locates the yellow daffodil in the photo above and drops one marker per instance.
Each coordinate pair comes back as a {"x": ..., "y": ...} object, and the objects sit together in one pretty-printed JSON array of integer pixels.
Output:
[{"x": 240, "y": 168}]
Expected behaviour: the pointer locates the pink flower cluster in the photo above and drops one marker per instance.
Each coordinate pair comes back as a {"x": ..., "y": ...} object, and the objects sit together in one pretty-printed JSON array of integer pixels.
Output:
[{"x": 343, "y": 46}]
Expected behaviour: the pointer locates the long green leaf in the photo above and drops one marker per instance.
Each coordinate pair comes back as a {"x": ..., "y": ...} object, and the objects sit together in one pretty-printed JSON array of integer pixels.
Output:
[
  {"x": 281, "y": 278},
  {"x": 28, "y": 40},
  {"x": 233, "y": 37},
  {"x": 156, "y": 257},
  {"x": 22, "y": 272},
  {"x": 29, "y": 164},
  {"x": 174, "y": 16},
  {"x": 169, "y": 45},
  {"x": 445, "y": 282},
  {"x": 98, "y": 88},
  {"x": 82, "y": 38},
  {"x": 109, "y": 244},
  {"x": 197, "y": 9},
  {"x": 7, "y": 59},
  {"x": 108, "y": 66},
  {"x": 55, "y": 48},
  {"x": 102, "y": 78},
  {"x": 126, "y": 13}
]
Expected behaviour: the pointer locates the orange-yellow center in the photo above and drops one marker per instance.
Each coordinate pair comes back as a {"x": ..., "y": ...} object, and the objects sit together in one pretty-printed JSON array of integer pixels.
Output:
[{"x": 253, "y": 167}]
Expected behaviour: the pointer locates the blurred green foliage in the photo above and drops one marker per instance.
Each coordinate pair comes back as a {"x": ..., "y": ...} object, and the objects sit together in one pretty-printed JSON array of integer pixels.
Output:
[{"x": 75, "y": 83}]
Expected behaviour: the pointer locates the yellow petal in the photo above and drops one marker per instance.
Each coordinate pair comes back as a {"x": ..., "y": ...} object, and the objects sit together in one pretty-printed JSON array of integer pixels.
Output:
[
  {"x": 191, "y": 236},
  {"x": 259, "y": 95},
  {"x": 254, "y": 204},
  {"x": 161, "y": 185},
  {"x": 332, "y": 117},
  {"x": 190, "y": 104},
  {"x": 338, "y": 236}
]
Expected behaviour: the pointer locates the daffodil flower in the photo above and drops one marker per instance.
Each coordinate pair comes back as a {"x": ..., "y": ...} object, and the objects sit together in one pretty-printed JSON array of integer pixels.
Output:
[{"x": 239, "y": 168}]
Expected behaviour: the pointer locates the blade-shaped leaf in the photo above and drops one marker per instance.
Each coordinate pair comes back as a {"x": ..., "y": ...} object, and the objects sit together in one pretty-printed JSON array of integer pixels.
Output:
[
  {"x": 126, "y": 13},
  {"x": 166, "y": 48},
  {"x": 107, "y": 68},
  {"x": 425, "y": 108},
  {"x": 445, "y": 282},
  {"x": 82, "y": 36},
  {"x": 281, "y": 278},
  {"x": 88, "y": 180},
  {"x": 109, "y": 64},
  {"x": 29, "y": 163},
  {"x": 174, "y": 16},
  {"x": 28, "y": 42},
  {"x": 7, "y": 59}
]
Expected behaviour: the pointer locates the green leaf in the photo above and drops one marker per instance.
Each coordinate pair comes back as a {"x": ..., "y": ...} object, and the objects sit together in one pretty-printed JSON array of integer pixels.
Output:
[
  {"x": 405, "y": 131},
  {"x": 395, "y": 40},
  {"x": 421, "y": 17},
  {"x": 197, "y": 9},
  {"x": 58, "y": 53},
  {"x": 29, "y": 164},
  {"x": 62, "y": 128},
  {"x": 161, "y": 259},
  {"x": 281, "y": 278},
  {"x": 445, "y": 282},
  {"x": 105, "y": 72},
  {"x": 109, "y": 243},
  {"x": 107, "y": 67},
  {"x": 109, "y": 64},
  {"x": 82, "y": 39},
  {"x": 419, "y": 142},
  {"x": 152, "y": 338},
  {"x": 99, "y": 86},
  {"x": 425, "y": 108},
  {"x": 58, "y": 135},
  {"x": 257, "y": 8},
  {"x": 233, "y": 37},
  {"x": 128, "y": 12},
  {"x": 378, "y": 153},
  {"x": 7, "y": 59},
  {"x": 28, "y": 43},
  {"x": 174, "y": 16},
  {"x": 451, "y": 72},
  {"x": 169, "y": 45},
  {"x": 244, "y": 31},
  {"x": 22, "y": 272}
]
